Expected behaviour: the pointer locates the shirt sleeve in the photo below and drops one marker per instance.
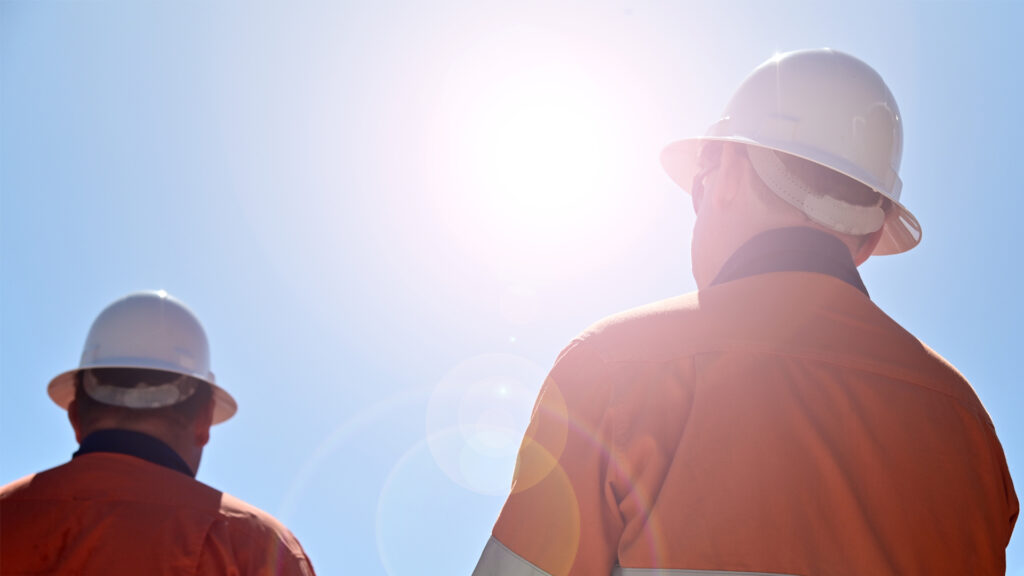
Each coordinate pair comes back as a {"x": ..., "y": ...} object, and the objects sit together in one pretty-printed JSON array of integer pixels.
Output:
[
  {"x": 290, "y": 560},
  {"x": 561, "y": 517},
  {"x": 253, "y": 544}
]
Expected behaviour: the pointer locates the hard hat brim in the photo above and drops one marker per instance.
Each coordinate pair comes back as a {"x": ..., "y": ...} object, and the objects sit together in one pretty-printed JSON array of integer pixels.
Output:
[
  {"x": 901, "y": 230},
  {"x": 62, "y": 391}
]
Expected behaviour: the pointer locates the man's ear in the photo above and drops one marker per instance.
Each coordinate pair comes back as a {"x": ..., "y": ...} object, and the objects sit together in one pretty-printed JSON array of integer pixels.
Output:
[
  {"x": 867, "y": 247},
  {"x": 728, "y": 178},
  {"x": 75, "y": 422},
  {"x": 736, "y": 186},
  {"x": 204, "y": 420}
]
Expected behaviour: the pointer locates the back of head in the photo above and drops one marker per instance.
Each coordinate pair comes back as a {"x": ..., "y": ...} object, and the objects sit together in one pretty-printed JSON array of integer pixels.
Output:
[
  {"x": 101, "y": 401},
  {"x": 829, "y": 199},
  {"x": 828, "y": 182}
]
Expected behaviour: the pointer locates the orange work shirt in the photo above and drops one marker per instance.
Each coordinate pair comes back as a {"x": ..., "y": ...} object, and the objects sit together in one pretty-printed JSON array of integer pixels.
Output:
[
  {"x": 775, "y": 423},
  {"x": 110, "y": 514}
]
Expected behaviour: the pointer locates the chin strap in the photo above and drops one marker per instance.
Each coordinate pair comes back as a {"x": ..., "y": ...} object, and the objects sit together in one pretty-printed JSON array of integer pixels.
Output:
[
  {"x": 825, "y": 210},
  {"x": 141, "y": 395}
]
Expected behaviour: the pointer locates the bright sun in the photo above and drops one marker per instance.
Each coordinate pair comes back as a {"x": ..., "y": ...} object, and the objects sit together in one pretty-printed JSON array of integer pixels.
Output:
[
  {"x": 548, "y": 156},
  {"x": 535, "y": 147}
]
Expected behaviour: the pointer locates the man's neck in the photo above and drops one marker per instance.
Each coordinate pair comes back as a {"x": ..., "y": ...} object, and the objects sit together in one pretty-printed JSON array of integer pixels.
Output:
[
  {"x": 792, "y": 249},
  {"x": 134, "y": 443}
]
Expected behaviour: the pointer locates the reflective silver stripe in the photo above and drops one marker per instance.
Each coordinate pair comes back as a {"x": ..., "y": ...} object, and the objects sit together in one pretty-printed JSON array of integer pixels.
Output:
[
  {"x": 620, "y": 571},
  {"x": 497, "y": 560}
]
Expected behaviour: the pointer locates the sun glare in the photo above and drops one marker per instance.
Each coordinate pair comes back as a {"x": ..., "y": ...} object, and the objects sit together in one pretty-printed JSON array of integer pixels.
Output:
[
  {"x": 534, "y": 140},
  {"x": 546, "y": 153}
]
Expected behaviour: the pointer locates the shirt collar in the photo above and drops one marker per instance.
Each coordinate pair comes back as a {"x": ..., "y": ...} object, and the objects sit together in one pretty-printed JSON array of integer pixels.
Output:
[
  {"x": 134, "y": 444},
  {"x": 796, "y": 249}
]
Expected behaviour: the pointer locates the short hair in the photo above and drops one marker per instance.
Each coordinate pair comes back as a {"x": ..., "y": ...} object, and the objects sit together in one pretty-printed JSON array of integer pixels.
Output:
[
  {"x": 828, "y": 182},
  {"x": 820, "y": 179},
  {"x": 182, "y": 414}
]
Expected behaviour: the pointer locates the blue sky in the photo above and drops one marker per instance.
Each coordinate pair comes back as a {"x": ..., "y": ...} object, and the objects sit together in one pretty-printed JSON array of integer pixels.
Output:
[{"x": 392, "y": 215}]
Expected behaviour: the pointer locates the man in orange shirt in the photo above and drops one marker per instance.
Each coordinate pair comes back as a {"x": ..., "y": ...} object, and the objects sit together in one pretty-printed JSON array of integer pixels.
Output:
[
  {"x": 141, "y": 403},
  {"x": 776, "y": 421}
]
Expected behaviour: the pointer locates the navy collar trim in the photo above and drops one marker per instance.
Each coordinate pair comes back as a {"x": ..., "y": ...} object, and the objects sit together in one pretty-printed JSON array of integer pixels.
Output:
[
  {"x": 134, "y": 444},
  {"x": 797, "y": 249}
]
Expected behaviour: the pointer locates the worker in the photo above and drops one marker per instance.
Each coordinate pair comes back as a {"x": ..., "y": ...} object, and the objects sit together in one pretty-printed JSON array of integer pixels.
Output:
[
  {"x": 141, "y": 404},
  {"x": 776, "y": 421}
]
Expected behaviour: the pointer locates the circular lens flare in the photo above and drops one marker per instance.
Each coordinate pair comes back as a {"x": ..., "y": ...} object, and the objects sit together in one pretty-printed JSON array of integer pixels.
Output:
[
  {"x": 486, "y": 400},
  {"x": 414, "y": 501}
]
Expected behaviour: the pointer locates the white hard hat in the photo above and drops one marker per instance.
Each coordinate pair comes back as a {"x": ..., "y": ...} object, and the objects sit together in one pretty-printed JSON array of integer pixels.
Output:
[
  {"x": 152, "y": 331},
  {"x": 823, "y": 106}
]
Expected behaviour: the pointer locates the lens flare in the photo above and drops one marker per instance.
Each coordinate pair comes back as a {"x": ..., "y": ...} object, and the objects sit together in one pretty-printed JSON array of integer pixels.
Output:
[{"x": 476, "y": 417}]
